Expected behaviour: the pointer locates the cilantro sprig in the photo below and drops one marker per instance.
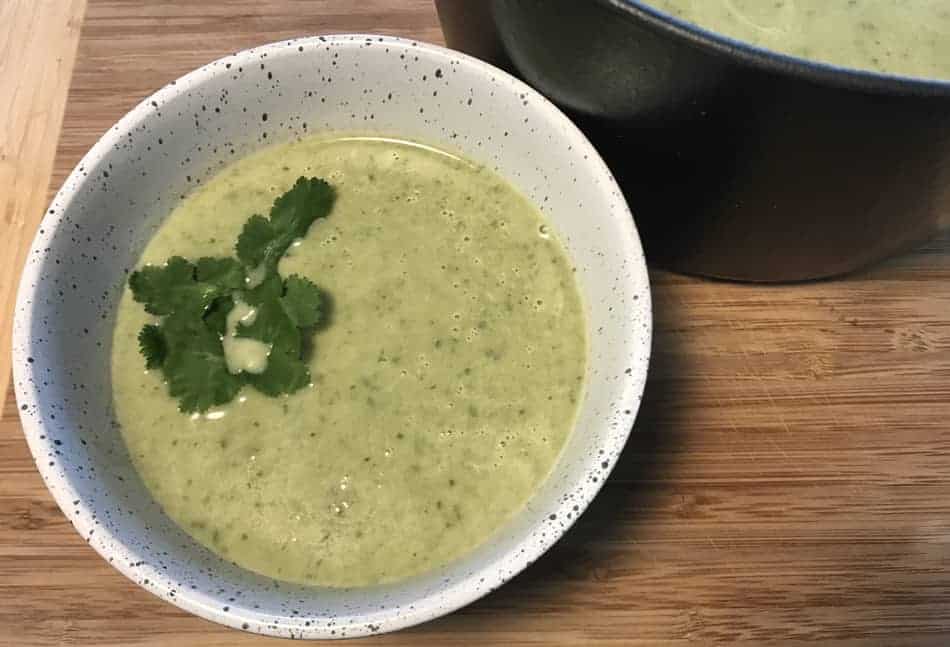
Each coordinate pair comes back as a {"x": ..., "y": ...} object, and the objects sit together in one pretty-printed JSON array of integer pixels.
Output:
[{"x": 194, "y": 299}]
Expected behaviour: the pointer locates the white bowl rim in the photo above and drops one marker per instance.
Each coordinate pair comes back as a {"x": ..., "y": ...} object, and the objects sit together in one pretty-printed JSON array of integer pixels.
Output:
[{"x": 33, "y": 428}]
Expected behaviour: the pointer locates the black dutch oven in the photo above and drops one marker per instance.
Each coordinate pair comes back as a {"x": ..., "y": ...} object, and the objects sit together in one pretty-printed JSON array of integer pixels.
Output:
[{"x": 737, "y": 162}]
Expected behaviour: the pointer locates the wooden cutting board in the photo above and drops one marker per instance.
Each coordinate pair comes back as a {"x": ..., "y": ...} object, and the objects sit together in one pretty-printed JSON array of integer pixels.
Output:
[{"x": 788, "y": 479}]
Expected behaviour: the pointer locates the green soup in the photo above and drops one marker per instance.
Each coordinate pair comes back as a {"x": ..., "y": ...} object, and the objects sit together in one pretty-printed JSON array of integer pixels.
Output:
[
  {"x": 442, "y": 390},
  {"x": 907, "y": 37}
]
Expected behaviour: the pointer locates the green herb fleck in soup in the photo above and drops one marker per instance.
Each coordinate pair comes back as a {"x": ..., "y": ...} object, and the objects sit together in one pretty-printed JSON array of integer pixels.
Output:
[{"x": 444, "y": 374}]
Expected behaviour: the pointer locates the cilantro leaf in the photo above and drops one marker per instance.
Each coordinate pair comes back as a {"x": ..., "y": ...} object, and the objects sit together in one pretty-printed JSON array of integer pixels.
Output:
[
  {"x": 266, "y": 240},
  {"x": 302, "y": 301},
  {"x": 269, "y": 289},
  {"x": 200, "y": 379},
  {"x": 275, "y": 327},
  {"x": 195, "y": 299},
  {"x": 152, "y": 345},
  {"x": 163, "y": 289},
  {"x": 195, "y": 368},
  {"x": 159, "y": 286},
  {"x": 296, "y": 210},
  {"x": 225, "y": 273},
  {"x": 217, "y": 316},
  {"x": 256, "y": 241},
  {"x": 284, "y": 374},
  {"x": 183, "y": 330}
]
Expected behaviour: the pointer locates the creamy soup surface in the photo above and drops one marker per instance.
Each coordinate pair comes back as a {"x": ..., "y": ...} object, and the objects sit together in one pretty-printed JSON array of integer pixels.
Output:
[
  {"x": 443, "y": 388},
  {"x": 906, "y": 37}
]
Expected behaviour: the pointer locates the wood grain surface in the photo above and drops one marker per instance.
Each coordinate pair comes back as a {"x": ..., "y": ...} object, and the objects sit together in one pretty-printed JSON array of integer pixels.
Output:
[
  {"x": 37, "y": 49},
  {"x": 786, "y": 482}
]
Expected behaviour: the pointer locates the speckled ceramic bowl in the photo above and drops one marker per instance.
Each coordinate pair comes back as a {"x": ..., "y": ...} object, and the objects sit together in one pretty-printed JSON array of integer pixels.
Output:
[{"x": 123, "y": 188}]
